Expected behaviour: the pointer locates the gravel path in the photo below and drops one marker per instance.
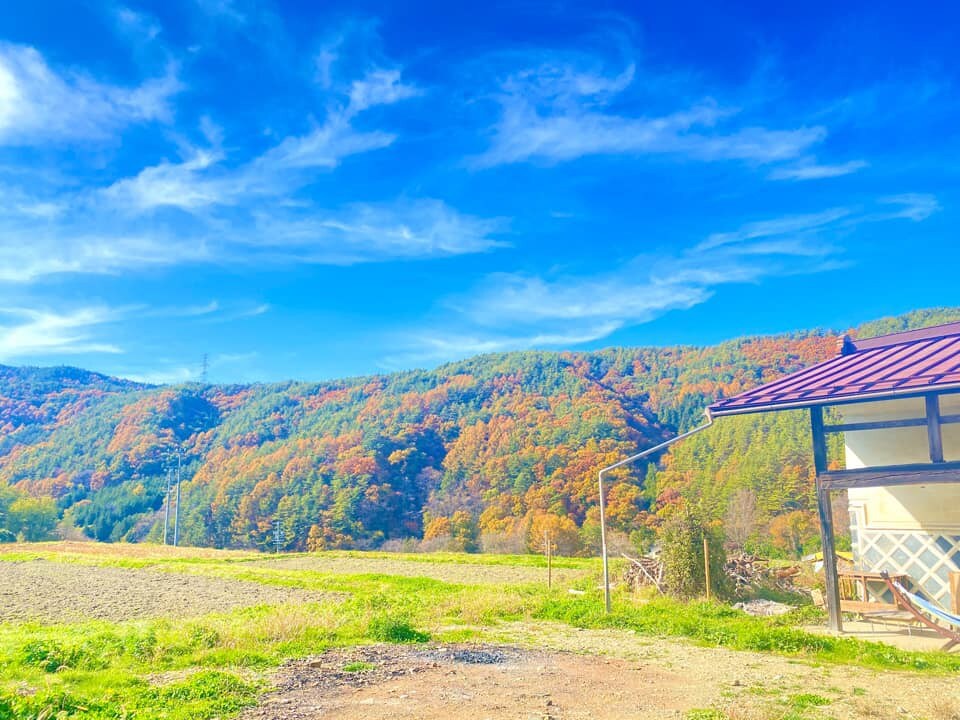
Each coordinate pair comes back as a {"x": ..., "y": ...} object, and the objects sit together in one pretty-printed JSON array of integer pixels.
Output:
[{"x": 60, "y": 592}]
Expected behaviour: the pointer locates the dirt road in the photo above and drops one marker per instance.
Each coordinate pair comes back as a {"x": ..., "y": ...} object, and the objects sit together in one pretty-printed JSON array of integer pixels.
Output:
[{"x": 609, "y": 676}]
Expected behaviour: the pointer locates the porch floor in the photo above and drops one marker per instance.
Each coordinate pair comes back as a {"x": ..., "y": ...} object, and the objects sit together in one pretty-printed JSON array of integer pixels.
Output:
[{"x": 896, "y": 634}]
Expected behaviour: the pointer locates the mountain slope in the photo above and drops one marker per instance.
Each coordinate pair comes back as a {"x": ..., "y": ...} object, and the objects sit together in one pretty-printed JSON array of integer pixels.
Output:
[{"x": 478, "y": 447}]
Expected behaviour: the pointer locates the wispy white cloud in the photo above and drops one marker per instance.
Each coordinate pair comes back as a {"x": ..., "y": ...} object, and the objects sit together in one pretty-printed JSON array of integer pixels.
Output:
[
  {"x": 558, "y": 112},
  {"x": 137, "y": 25},
  {"x": 26, "y": 332},
  {"x": 777, "y": 227},
  {"x": 170, "y": 185},
  {"x": 367, "y": 232},
  {"x": 513, "y": 310},
  {"x": 44, "y": 330},
  {"x": 405, "y": 229},
  {"x": 430, "y": 348},
  {"x": 39, "y": 104},
  {"x": 29, "y": 253},
  {"x": 913, "y": 206},
  {"x": 201, "y": 181},
  {"x": 811, "y": 170}
]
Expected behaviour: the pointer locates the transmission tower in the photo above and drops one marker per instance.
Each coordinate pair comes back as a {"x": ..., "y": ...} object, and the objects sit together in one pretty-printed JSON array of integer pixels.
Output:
[
  {"x": 278, "y": 534},
  {"x": 204, "y": 368}
]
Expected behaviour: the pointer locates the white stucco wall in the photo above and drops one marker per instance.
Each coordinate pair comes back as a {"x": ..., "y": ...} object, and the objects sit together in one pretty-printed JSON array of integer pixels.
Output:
[
  {"x": 911, "y": 529},
  {"x": 910, "y": 506}
]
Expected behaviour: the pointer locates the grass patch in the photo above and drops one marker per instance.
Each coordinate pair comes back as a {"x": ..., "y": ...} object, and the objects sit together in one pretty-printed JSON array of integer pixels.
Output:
[
  {"x": 359, "y": 667},
  {"x": 721, "y": 626},
  {"x": 807, "y": 700},
  {"x": 705, "y": 714}
]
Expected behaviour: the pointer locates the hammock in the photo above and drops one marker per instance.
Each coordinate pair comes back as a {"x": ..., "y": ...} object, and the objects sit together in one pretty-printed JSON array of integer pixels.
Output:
[{"x": 917, "y": 606}]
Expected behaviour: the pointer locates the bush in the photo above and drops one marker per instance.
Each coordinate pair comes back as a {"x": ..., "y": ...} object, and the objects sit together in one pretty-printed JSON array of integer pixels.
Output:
[
  {"x": 395, "y": 630},
  {"x": 681, "y": 542},
  {"x": 7, "y": 537}
]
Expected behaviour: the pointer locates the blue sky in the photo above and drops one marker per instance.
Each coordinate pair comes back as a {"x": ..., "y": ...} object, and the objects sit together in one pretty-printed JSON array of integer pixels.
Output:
[{"x": 309, "y": 190}]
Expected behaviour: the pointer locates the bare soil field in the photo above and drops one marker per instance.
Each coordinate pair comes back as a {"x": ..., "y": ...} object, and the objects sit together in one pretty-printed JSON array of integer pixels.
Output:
[
  {"x": 446, "y": 572},
  {"x": 61, "y": 592},
  {"x": 596, "y": 675},
  {"x": 138, "y": 551}
]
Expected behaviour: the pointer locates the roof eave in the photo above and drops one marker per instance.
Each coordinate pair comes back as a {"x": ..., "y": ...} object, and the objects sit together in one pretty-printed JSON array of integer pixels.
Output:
[{"x": 850, "y": 400}]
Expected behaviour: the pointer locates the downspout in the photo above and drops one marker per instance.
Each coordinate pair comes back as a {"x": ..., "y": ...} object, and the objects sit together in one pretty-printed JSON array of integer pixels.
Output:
[{"x": 627, "y": 461}]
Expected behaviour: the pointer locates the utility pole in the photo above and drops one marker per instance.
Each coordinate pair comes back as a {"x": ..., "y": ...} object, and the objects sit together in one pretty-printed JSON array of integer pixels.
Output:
[
  {"x": 166, "y": 507},
  {"x": 176, "y": 517}
]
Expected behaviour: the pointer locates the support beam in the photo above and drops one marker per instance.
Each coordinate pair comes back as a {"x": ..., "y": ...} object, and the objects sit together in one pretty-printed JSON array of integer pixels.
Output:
[
  {"x": 934, "y": 436},
  {"x": 826, "y": 521},
  {"x": 832, "y": 590},
  {"x": 892, "y": 475}
]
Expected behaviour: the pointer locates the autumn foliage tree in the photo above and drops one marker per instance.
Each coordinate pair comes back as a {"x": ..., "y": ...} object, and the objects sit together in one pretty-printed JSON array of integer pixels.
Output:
[{"x": 791, "y": 531}]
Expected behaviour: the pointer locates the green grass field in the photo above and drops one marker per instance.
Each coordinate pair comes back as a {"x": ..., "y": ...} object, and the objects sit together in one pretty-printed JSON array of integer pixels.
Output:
[{"x": 215, "y": 663}]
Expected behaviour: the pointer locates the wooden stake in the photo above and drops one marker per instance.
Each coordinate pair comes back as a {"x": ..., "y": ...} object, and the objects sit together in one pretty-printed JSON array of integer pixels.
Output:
[
  {"x": 546, "y": 542},
  {"x": 706, "y": 563}
]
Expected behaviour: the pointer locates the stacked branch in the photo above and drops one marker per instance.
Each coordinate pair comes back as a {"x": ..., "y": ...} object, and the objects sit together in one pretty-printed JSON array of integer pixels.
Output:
[
  {"x": 644, "y": 572},
  {"x": 748, "y": 571}
]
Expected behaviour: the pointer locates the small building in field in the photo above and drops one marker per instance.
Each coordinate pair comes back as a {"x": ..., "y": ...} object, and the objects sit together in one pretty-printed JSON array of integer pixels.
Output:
[{"x": 896, "y": 401}]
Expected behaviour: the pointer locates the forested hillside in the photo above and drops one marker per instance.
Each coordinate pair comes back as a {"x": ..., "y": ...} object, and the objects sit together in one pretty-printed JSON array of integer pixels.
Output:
[{"x": 476, "y": 454}]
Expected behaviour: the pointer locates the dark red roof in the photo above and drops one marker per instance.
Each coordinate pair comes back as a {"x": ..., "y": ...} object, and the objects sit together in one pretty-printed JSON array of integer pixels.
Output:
[{"x": 904, "y": 363}]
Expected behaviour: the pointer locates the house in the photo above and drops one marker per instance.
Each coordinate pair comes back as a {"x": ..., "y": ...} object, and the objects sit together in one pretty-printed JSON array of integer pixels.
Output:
[{"x": 896, "y": 401}]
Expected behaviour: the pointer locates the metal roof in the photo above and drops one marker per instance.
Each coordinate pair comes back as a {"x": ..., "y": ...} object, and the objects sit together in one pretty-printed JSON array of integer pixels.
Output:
[{"x": 904, "y": 363}]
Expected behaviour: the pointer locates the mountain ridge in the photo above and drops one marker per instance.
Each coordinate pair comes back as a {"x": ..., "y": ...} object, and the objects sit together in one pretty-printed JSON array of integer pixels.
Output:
[{"x": 470, "y": 454}]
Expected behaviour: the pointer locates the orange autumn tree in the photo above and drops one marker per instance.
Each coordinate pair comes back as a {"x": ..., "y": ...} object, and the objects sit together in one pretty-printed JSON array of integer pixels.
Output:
[
  {"x": 561, "y": 531},
  {"x": 791, "y": 531}
]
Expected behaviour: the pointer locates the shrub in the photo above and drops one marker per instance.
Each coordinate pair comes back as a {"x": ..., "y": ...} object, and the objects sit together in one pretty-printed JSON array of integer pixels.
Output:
[
  {"x": 395, "y": 630},
  {"x": 681, "y": 542}
]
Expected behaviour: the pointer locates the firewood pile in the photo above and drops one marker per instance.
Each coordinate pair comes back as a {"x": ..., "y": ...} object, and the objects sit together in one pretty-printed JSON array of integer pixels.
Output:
[
  {"x": 644, "y": 572},
  {"x": 746, "y": 571}
]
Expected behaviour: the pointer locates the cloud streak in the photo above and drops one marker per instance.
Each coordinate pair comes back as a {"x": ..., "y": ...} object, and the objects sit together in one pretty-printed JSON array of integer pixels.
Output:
[
  {"x": 201, "y": 181},
  {"x": 518, "y": 311},
  {"x": 26, "y": 332},
  {"x": 40, "y": 105},
  {"x": 814, "y": 171},
  {"x": 557, "y": 112}
]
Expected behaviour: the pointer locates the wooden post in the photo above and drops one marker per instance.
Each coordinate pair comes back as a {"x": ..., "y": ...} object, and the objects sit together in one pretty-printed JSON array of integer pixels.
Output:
[
  {"x": 547, "y": 545},
  {"x": 955, "y": 592},
  {"x": 934, "y": 434},
  {"x": 826, "y": 520},
  {"x": 706, "y": 563}
]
